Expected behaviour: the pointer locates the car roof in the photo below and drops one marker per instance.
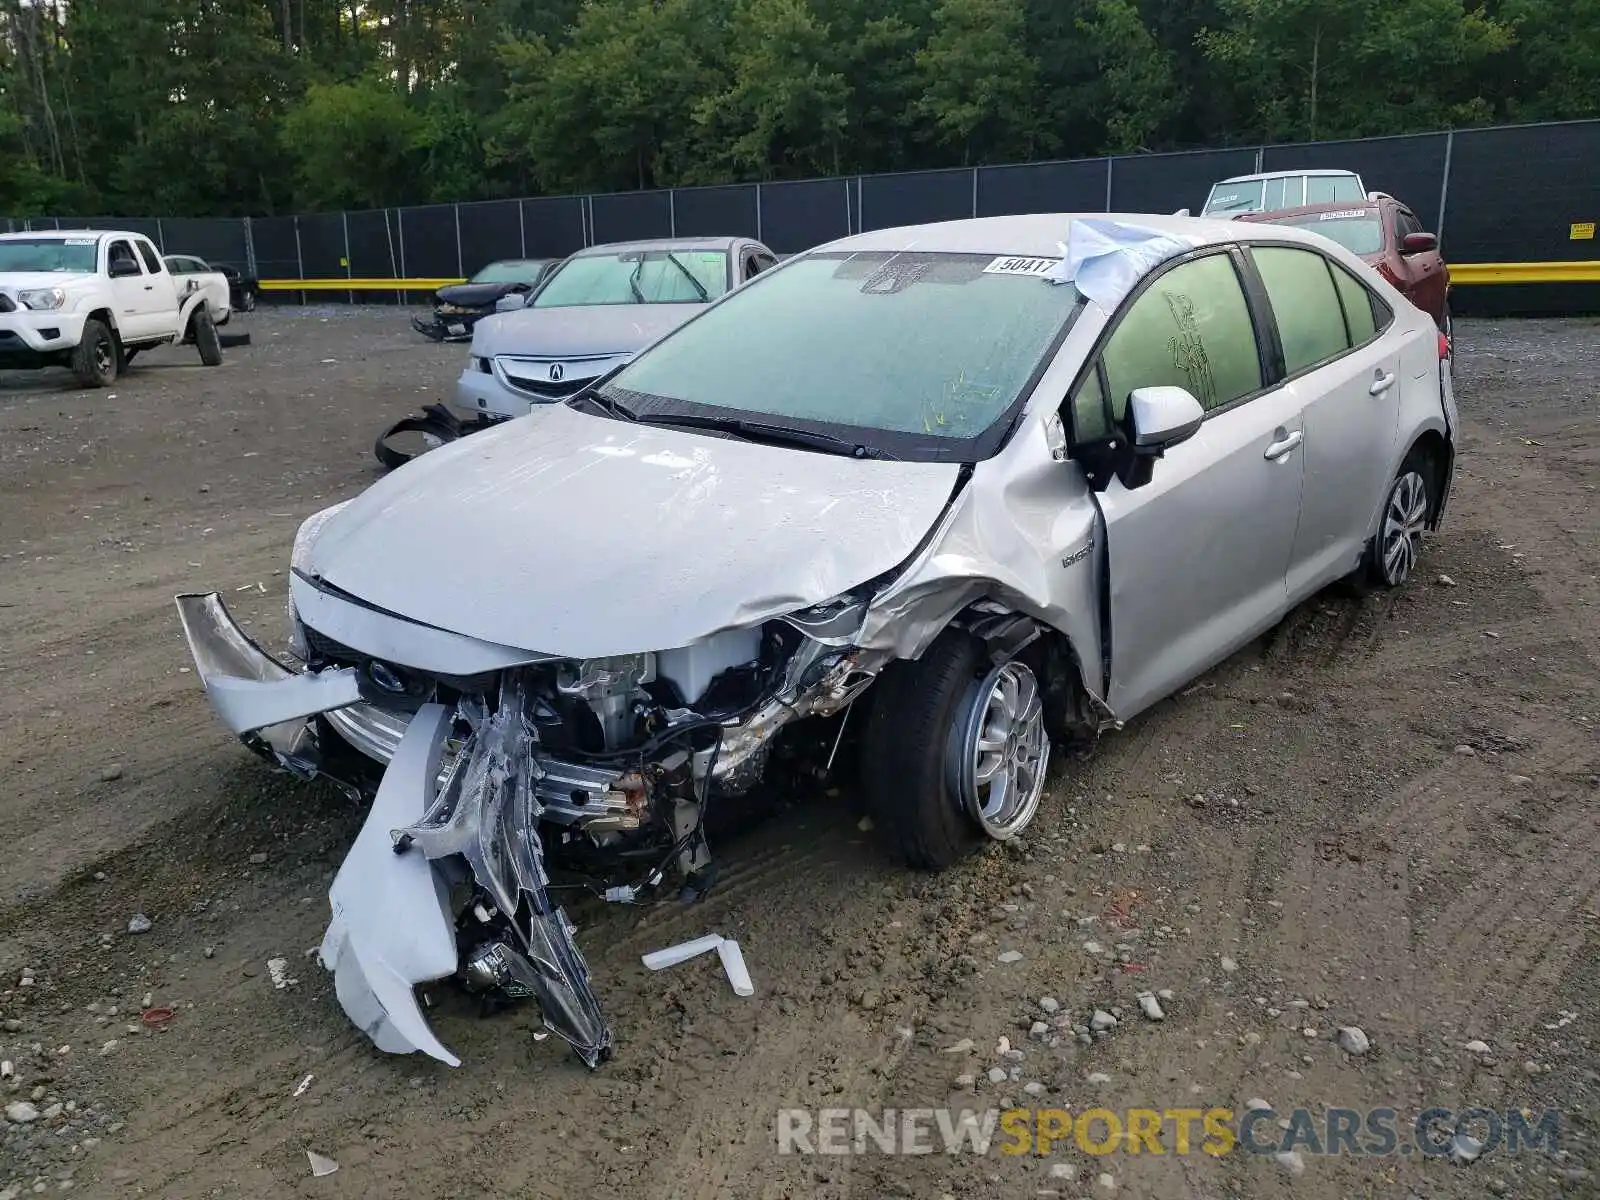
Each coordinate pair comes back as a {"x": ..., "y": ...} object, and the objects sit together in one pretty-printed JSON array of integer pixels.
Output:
[
  {"x": 679, "y": 243},
  {"x": 1308, "y": 210},
  {"x": 69, "y": 233},
  {"x": 1038, "y": 235},
  {"x": 1295, "y": 173}
]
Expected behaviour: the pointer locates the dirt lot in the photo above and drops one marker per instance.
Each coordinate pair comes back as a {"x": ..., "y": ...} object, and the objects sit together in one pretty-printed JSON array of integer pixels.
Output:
[{"x": 1383, "y": 815}]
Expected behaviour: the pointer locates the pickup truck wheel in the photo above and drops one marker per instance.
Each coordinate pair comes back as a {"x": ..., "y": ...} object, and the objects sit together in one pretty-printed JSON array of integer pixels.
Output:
[
  {"x": 94, "y": 358},
  {"x": 955, "y": 749},
  {"x": 205, "y": 338}
]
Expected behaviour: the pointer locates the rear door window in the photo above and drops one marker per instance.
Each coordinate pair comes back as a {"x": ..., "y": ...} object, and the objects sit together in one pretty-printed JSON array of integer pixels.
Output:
[
  {"x": 1305, "y": 303},
  {"x": 1364, "y": 313}
]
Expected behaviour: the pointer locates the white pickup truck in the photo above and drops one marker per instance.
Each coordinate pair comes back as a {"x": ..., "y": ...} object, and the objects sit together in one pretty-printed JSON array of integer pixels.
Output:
[{"x": 90, "y": 300}]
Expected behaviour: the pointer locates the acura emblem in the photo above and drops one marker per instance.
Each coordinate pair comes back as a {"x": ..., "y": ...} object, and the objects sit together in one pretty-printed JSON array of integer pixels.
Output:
[{"x": 556, "y": 371}]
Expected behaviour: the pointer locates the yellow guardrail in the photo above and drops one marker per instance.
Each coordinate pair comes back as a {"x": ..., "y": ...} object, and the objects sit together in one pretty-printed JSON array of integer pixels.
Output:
[
  {"x": 1534, "y": 272},
  {"x": 1461, "y": 274}
]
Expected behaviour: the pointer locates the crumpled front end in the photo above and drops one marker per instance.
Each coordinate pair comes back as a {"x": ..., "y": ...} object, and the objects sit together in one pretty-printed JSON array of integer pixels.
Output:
[{"x": 492, "y": 760}]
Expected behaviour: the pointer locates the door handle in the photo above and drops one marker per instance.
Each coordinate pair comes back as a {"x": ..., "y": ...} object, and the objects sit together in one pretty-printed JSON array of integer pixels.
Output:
[
  {"x": 1285, "y": 444},
  {"x": 1381, "y": 383}
]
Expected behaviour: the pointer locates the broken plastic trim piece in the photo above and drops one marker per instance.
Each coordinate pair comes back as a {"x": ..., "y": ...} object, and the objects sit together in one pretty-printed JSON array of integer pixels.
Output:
[
  {"x": 488, "y": 814},
  {"x": 728, "y": 952}
]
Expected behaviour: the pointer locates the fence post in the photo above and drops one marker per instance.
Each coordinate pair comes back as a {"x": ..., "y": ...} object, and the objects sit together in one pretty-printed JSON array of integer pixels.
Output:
[
  {"x": 1261, "y": 158},
  {"x": 161, "y": 239},
  {"x": 672, "y": 212},
  {"x": 1444, "y": 184},
  {"x": 299, "y": 259},
  {"x": 400, "y": 228},
  {"x": 461, "y": 268},
  {"x": 344, "y": 219},
  {"x": 1109, "y": 161},
  {"x": 759, "y": 236},
  {"x": 974, "y": 191},
  {"x": 249, "y": 246},
  {"x": 522, "y": 231}
]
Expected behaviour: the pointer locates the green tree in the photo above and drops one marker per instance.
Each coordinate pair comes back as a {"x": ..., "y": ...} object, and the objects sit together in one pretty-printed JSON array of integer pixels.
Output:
[
  {"x": 353, "y": 145},
  {"x": 979, "y": 85},
  {"x": 785, "y": 111}
]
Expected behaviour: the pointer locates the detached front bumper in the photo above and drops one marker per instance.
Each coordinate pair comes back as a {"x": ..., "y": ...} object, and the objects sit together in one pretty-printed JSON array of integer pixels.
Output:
[{"x": 391, "y": 926}]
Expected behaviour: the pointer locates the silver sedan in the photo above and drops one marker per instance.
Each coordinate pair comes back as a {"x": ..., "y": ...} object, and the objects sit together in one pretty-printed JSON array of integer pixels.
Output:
[{"x": 923, "y": 501}]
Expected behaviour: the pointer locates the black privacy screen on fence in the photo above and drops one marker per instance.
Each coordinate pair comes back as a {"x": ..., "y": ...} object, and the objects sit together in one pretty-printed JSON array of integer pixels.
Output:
[{"x": 1524, "y": 194}]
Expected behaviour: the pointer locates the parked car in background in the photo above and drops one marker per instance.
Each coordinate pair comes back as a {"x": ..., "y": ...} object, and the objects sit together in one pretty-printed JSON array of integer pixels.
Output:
[
  {"x": 90, "y": 300},
  {"x": 243, "y": 287},
  {"x": 1274, "y": 190},
  {"x": 192, "y": 274},
  {"x": 1388, "y": 237},
  {"x": 498, "y": 287},
  {"x": 985, "y": 484},
  {"x": 593, "y": 313}
]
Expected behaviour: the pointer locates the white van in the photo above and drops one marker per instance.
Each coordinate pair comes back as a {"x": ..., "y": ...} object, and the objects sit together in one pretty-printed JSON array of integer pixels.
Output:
[{"x": 1277, "y": 190}]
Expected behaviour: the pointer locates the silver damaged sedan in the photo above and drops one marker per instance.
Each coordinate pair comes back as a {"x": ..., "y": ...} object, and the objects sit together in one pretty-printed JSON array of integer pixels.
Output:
[{"x": 915, "y": 505}]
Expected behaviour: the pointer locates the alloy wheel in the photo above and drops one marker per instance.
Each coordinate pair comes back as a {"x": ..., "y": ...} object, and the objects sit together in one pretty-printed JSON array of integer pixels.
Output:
[
  {"x": 999, "y": 751},
  {"x": 1404, "y": 518},
  {"x": 102, "y": 356}
]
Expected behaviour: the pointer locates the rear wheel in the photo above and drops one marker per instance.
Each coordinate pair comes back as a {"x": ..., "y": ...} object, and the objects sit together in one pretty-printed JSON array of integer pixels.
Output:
[
  {"x": 205, "y": 338},
  {"x": 1392, "y": 555},
  {"x": 94, "y": 358},
  {"x": 955, "y": 750}
]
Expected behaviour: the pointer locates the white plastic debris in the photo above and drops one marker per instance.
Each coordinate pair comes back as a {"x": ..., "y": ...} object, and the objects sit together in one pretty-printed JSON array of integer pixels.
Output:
[
  {"x": 278, "y": 970},
  {"x": 733, "y": 965},
  {"x": 657, "y": 960},
  {"x": 728, "y": 952},
  {"x": 321, "y": 1164},
  {"x": 304, "y": 1084}
]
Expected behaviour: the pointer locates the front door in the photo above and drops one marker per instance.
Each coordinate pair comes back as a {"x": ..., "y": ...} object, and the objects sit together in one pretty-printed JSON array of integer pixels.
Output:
[
  {"x": 130, "y": 293},
  {"x": 1198, "y": 556}
]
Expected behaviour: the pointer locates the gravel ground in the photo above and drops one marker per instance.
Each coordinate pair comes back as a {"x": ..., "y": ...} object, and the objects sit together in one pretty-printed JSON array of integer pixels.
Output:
[{"x": 1383, "y": 816}]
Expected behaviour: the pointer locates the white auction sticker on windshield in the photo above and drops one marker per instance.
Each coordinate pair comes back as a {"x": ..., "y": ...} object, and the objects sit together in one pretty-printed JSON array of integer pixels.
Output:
[
  {"x": 1345, "y": 212},
  {"x": 78, "y": 241},
  {"x": 1010, "y": 265}
]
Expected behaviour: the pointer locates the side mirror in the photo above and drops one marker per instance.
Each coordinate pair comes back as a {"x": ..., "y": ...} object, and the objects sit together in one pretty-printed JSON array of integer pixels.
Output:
[
  {"x": 1157, "y": 419},
  {"x": 1161, "y": 417},
  {"x": 1418, "y": 243},
  {"x": 121, "y": 268}
]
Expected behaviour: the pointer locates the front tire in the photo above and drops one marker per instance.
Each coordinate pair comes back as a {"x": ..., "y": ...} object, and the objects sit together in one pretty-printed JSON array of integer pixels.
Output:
[
  {"x": 955, "y": 749},
  {"x": 94, "y": 358},
  {"x": 1393, "y": 553},
  {"x": 205, "y": 338}
]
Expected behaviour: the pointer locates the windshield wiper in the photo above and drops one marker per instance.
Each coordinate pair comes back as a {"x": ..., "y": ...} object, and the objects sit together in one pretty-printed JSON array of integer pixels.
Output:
[
  {"x": 772, "y": 435},
  {"x": 699, "y": 287},
  {"x": 609, "y": 405}
]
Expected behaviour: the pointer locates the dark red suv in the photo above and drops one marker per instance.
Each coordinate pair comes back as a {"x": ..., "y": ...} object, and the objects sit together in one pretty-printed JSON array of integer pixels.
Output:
[{"x": 1389, "y": 237}]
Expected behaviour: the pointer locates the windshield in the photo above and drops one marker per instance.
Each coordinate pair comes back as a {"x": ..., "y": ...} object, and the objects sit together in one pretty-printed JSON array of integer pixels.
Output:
[
  {"x": 638, "y": 277},
  {"x": 921, "y": 354},
  {"x": 1234, "y": 197},
  {"x": 75, "y": 255},
  {"x": 1358, "y": 230},
  {"x": 517, "y": 271}
]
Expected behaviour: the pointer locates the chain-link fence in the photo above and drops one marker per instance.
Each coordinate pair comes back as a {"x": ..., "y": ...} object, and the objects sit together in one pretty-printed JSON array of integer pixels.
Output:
[{"x": 1514, "y": 206}]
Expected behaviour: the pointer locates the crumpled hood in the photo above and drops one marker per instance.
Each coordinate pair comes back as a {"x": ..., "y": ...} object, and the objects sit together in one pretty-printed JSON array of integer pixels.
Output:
[
  {"x": 476, "y": 295},
  {"x": 582, "y": 536},
  {"x": 578, "y": 330}
]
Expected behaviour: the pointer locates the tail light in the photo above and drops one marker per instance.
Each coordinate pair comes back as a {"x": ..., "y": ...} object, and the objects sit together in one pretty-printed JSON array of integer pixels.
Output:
[{"x": 1444, "y": 347}]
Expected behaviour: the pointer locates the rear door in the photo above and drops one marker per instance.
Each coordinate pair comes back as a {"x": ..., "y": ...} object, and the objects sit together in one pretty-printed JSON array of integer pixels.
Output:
[
  {"x": 1341, "y": 354},
  {"x": 1197, "y": 557}
]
